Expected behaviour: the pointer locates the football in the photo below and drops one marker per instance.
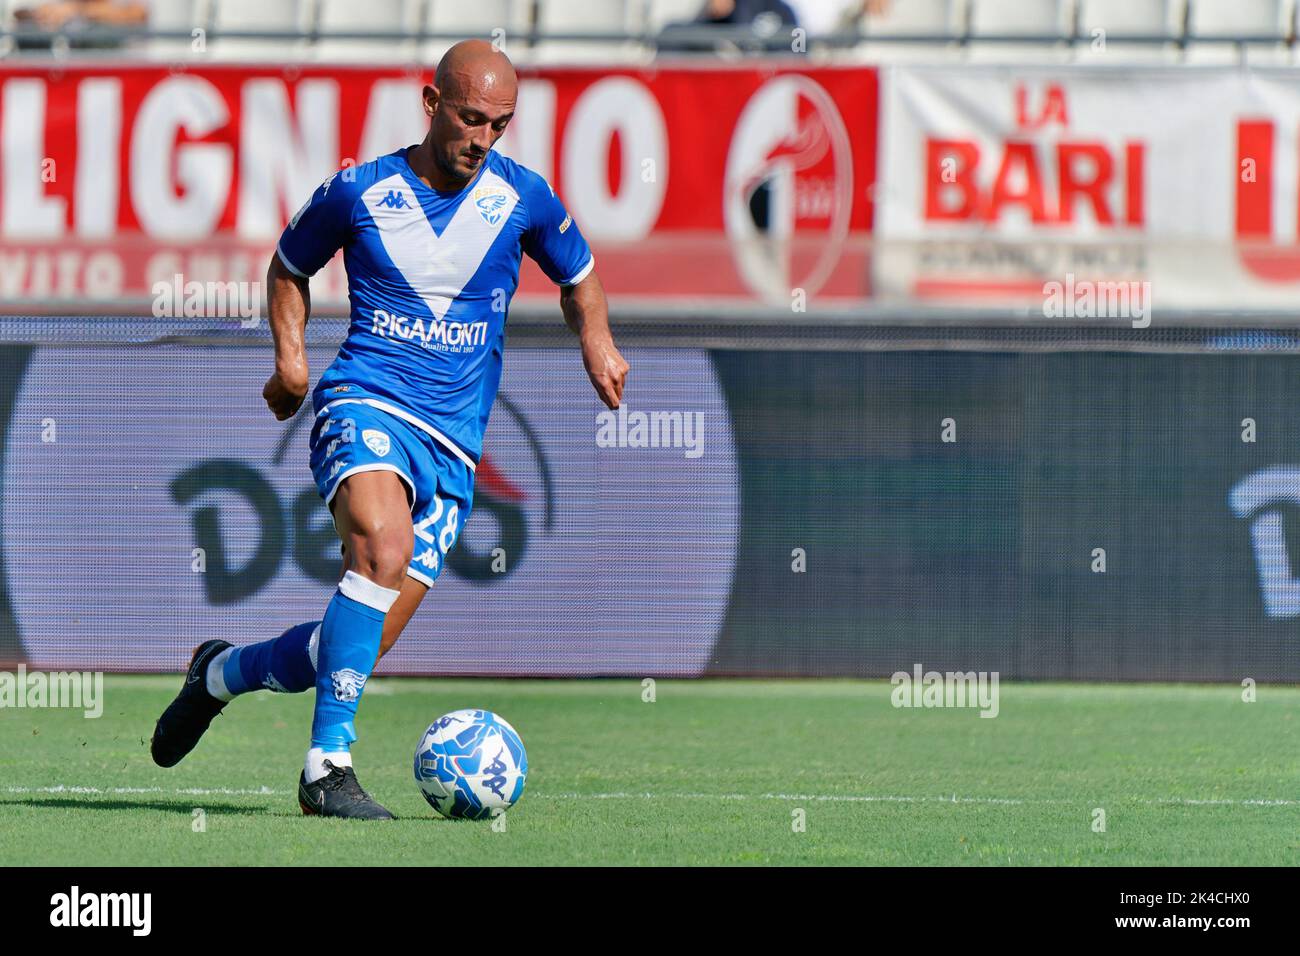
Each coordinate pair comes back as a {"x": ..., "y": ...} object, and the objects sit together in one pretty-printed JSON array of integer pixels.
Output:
[{"x": 471, "y": 765}]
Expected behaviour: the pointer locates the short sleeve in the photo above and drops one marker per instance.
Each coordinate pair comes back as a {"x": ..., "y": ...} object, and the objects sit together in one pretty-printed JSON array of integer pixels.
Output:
[
  {"x": 553, "y": 239},
  {"x": 319, "y": 229}
]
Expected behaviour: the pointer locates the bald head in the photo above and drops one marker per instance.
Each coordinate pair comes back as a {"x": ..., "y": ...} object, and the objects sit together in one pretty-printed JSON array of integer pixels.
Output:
[
  {"x": 475, "y": 65},
  {"x": 469, "y": 104}
]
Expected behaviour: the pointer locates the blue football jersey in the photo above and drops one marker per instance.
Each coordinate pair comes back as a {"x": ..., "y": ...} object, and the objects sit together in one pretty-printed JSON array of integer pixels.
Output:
[{"x": 430, "y": 278}]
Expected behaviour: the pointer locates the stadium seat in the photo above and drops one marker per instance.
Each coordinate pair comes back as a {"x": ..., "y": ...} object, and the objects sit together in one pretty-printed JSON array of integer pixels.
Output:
[
  {"x": 477, "y": 19},
  {"x": 935, "y": 18},
  {"x": 7, "y": 8},
  {"x": 186, "y": 15},
  {"x": 350, "y": 16},
  {"x": 1104, "y": 24},
  {"x": 268, "y": 16},
  {"x": 663, "y": 12},
  {"x": 1228, "y": 18},
  {"x": 1010, "y": 18},
  {"x": 606, "y": 17}
]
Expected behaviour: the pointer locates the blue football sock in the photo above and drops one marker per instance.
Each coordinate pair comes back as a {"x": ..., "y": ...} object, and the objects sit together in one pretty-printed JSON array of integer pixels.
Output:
[
  {"x": 349, "y": 643},
  {"x": 286, "y": 664}
]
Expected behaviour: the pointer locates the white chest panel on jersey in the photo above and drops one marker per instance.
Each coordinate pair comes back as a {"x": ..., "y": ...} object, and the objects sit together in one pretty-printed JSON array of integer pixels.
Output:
[{"x": 438, "y": 267}]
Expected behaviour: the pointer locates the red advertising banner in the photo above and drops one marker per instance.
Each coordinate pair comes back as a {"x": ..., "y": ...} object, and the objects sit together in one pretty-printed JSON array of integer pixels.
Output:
[{"x": 746, "y": 183}]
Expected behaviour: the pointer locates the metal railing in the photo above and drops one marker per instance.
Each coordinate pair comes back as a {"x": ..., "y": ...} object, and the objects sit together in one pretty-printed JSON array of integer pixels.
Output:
[{"x": 694, "y": 39}]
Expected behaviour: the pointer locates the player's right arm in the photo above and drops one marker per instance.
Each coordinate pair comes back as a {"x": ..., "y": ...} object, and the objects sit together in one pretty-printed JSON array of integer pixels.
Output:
[
  {"x": 317, "y": 231},
  {"x": 289, "y": 306}
]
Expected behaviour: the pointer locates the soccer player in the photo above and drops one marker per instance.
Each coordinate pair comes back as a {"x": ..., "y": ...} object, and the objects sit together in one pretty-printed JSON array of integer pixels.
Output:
[{"x": 432, "y": 236}]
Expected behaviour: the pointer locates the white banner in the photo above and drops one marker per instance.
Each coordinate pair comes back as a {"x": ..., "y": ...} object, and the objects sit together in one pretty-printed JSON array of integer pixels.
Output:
[{"x": 1042, "y": 184}]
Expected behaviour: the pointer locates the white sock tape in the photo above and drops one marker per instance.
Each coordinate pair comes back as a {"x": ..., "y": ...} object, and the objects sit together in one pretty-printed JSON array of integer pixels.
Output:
[
  {"x": 367, "y": 592},
  {"x": 313, "y": 647}
]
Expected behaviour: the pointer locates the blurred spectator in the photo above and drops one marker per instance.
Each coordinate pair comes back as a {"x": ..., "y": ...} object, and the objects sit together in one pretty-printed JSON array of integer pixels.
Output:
[
  {"x": 747, "y": 12},
  {"x": 861, "y": 9},
  {"x": 76, "y": 15},
  {"x": 765, "y": 18}
]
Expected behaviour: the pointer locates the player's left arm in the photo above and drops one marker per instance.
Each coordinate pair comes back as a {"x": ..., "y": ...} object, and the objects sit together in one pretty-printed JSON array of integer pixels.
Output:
[
  {"x": 556, "y": 243},
  {"x": 586, "y": 312}
]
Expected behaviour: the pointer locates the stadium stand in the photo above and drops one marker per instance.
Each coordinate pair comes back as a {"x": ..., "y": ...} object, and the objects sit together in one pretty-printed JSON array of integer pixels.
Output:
[
  {"x": 1111, "y": 30},
  {"x": 916, "y": 30},
  {"x": 568, "y": 22},
  {"x": 995, "y": 22},
  {"x": 1260, "y": 32},
  {"x": 472, "y": 19},
  {"x": 290, "y": 19},
  {"x": 338, "y": 18},
  {"x": 1270, "y": 20},
  {"x": 181, "y": 16}
]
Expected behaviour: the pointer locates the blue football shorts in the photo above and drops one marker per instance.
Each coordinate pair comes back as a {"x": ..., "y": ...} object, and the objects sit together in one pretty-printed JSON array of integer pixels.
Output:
[{"x": 350, "y": 437}]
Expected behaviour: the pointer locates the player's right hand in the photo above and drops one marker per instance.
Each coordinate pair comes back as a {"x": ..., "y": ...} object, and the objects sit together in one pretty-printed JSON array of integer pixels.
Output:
[{"x": 284, "y": 398}]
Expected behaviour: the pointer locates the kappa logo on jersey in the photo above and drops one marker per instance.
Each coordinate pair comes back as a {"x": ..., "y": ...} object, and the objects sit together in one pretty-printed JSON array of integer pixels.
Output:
[
  {"x": 490, "y": 202},
  {"x": 396, "y": 199},
  {"x": 348, "y": 684},
  {"x": 376, "y": 441}
]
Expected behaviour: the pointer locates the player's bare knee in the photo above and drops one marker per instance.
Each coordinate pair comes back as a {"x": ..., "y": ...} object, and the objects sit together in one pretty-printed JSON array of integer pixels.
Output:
[{"x": 382, "y": 558}]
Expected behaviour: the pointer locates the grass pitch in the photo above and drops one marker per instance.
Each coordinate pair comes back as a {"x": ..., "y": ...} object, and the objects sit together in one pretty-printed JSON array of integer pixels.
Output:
[{"x": 712, "y": 772}]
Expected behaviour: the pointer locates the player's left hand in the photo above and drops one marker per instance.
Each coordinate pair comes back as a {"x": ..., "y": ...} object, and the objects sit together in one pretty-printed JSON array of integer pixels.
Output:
[{"x": 606, "y": 368}]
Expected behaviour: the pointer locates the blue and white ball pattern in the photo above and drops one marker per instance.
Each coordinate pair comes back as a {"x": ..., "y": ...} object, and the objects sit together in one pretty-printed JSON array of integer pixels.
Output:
[{"x": 471, "y": 765}]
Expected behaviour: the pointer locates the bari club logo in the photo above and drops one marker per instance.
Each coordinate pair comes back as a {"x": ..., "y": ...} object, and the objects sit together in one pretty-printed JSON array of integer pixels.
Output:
[{"x": 789, "y": 188}]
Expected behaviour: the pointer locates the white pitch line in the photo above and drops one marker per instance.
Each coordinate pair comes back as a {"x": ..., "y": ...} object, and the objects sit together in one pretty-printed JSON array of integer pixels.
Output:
[
  {"x": 1189, "y": 802},
  {"x": 884, "y": 798},
  {"x": 830, "y": 797},
  {"x": 720, "y": 797}
]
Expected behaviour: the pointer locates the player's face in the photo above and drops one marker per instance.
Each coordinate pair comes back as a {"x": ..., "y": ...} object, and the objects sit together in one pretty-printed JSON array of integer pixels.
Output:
[{"x": 466, "y": 125}]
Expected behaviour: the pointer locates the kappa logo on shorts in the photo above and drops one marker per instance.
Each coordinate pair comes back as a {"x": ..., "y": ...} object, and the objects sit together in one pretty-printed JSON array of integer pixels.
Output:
[
  {"x": 376, "y": 441},
  {"x": 348, "y": 684}
]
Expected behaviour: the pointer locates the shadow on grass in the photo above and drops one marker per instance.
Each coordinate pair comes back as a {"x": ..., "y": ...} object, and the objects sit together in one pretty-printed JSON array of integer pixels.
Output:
[{"x": 173, "y": 806}]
